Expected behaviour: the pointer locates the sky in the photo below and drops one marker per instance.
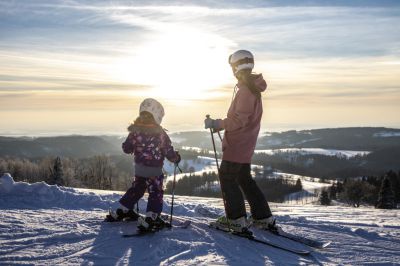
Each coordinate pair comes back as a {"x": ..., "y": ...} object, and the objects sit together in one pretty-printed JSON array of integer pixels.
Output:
[{"x": 83, "y": 67}]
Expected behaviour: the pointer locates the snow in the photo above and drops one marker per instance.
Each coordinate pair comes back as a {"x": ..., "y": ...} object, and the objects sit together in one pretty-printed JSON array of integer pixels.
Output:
[
  {"x": 201, "y": 165},
  {"x": 307, "y": 151},
  {"x": 386, "y": 134},
  {"x": 6, "y": 183},
  {"x": 49, "y": 225},
  {"x": 176, "y": 139}
]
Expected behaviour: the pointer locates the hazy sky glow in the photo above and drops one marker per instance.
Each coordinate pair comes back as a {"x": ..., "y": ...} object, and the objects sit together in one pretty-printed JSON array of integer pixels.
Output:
[{"x": 84, "y": 66}]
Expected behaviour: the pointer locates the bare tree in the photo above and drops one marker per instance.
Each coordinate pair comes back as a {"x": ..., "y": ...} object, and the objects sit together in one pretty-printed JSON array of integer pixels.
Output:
[{"x": 101, "y": 170}]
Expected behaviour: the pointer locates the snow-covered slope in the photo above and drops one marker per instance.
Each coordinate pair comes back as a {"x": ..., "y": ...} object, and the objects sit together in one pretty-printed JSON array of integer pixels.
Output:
[{"x": 48, "y": 225}]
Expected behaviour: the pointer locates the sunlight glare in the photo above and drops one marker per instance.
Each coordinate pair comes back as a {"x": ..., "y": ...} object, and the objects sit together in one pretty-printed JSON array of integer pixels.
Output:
[{"x": 179, "y": 64}]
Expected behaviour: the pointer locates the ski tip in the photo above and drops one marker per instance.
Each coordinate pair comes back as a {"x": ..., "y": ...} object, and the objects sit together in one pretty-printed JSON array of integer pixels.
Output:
[{"x": 326, "y": 244}]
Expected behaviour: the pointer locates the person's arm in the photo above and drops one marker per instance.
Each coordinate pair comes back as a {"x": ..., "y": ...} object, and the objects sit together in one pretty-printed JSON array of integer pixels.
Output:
[
  {"x": 129, "y": 145},
  {"x": 168, "y": 150}
]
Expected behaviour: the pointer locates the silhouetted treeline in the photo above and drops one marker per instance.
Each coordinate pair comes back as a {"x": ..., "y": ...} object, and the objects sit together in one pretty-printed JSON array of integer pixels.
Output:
[
  {"x": 354, "y": 138},
  {"x": 207, "y": 185},
  {"x": 275, "y": 189},
  {"x": 97, "y": 172},
  {"x": 332, "y": 167},
  {"x": 379, "y": 191}
]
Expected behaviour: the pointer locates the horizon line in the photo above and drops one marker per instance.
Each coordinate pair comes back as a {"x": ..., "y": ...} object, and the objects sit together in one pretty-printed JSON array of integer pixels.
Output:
[{"x": 95, "y": 134}]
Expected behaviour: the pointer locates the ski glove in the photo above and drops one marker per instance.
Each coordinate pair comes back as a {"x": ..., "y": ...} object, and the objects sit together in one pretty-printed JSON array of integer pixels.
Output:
[
  {"x": 211, "y": 123},
  {"x": 177, "y": 161}
]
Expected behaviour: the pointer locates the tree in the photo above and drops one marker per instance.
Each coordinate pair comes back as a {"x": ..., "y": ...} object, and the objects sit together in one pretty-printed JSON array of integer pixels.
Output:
[
  {"x": 386, "y": 195},
  {"x": 353, "y": 191},
  {"x": 394, "y": 179},
  {"x": 324, "y": 198},
  {"x": 299, "y": 186},
  {"x": 57, "y": 174},
  {"x": 332, "y": 192},
  {"x": 339, "y": 187},
  {"x": 101, "y": 171}
]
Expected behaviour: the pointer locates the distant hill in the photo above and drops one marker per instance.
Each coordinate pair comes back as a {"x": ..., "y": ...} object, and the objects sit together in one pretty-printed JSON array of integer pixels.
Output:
[
  {"x": 358, "y": 138},
  {"x": 71, "y": 146}
]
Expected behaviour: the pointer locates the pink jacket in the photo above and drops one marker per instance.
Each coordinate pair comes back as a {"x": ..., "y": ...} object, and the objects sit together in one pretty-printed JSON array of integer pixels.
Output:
[{"x": 242, "y": 124}]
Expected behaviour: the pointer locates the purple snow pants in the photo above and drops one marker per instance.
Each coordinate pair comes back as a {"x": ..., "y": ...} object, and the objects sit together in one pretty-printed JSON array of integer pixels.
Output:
[{"x": 154, "y": 187}]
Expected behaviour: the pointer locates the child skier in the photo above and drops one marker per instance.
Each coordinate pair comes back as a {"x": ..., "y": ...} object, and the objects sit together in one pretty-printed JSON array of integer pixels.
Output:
[
  {"x": 242, "y": 126},
  {"x": 149, "y": 144}
]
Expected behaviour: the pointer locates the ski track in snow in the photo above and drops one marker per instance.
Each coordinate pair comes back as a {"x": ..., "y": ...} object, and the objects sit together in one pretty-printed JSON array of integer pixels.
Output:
[{"x": 47, "y": 225}]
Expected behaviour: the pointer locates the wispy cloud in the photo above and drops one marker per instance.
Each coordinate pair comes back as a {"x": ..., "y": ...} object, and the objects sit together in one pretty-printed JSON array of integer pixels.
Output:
[{"x": 320, "y": 52}]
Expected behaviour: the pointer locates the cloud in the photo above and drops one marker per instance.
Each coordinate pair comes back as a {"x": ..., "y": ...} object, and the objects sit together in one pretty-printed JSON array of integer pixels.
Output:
[
  {"x": 85, "y": 54},
  {"x": 292, "y": 29}
]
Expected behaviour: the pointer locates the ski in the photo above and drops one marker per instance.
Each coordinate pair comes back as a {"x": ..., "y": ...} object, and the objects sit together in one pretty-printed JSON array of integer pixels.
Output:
[
  {"x": 265, "y": 242},
  {"x": 304, "y": 240},
  {"x": 183, "y": 225},
  {"x": 300, "y": 239}
]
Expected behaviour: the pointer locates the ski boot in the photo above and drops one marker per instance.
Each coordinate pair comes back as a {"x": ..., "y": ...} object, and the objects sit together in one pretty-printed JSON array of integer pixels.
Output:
[
  {"x": 121, "y": 214},
  {"x": 236, "y": 226},
  {"x": 268, "y": 224},
  {"x": 152, "y": 222}
]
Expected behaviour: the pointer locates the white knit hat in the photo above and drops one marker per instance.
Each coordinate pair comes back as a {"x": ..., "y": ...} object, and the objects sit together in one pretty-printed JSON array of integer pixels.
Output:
[{"x": 153, "y": 107}]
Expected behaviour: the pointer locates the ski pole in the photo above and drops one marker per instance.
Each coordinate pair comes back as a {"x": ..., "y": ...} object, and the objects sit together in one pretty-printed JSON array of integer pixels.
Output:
[
  {"x": 216, "y": 160},
  {"x": 219, "y": 135},
  {"x": 213, "y": 142},
  {"x": 173, "y": 193}
]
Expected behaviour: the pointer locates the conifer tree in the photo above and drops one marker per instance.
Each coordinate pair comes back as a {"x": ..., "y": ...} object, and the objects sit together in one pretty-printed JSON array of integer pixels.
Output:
[
  {"x": 333, "y": 192},
  {"x": 386, "y": 195},
  {"x": 57, "y": 172},
  {"x": 299, "y": 186},
  {"x": 339, "y": 187},
  {"x": 324, "y": 198}
]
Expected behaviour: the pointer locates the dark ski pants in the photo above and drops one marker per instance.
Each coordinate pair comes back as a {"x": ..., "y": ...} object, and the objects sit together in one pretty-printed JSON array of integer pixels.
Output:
[
  {"x": 154, "y": 186},
  {"x": 236, "y": 181}
]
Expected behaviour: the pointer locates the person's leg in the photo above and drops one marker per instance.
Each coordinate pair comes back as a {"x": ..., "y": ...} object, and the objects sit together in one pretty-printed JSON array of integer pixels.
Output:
[
  {"x": 231, "y": 193},
  {"x": 134, "y": 193},
  {"x": 156, "y": 193},
  {"x": 258, "y": 204}
]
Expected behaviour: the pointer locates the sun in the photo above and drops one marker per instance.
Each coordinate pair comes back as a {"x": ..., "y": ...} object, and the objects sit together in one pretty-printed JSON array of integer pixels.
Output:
[{"x": 180, "y": 64}]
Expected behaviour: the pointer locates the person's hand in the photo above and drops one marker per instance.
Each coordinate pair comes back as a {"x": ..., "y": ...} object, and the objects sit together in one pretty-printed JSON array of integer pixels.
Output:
[
  {"x": 178, "y": 160},
  {"x": 209, "y": 123}
]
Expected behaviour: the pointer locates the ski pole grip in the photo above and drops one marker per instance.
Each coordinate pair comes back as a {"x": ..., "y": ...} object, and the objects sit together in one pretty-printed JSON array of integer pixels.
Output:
[{"x": 207, "y": 116}]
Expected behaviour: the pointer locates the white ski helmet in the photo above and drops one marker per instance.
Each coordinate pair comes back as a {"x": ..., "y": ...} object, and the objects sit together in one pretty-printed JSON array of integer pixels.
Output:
[
  {"x": 241, "y": 59},
  {"x": 153, "y": 107}
]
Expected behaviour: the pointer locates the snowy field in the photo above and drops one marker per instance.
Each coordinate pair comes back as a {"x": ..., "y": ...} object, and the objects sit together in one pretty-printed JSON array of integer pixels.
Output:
[
  {"x": 48, "y": 225},
  {"x": 317, "y": 151},
  {"x": 204, "y": 164}
]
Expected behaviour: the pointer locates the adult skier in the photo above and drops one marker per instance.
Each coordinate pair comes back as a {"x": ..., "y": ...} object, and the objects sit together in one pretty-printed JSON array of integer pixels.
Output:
[{"x": 242, "y": 126}]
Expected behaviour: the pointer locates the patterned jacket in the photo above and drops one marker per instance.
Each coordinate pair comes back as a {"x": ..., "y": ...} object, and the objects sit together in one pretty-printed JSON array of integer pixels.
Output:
[{"x": 150, "y": 145}]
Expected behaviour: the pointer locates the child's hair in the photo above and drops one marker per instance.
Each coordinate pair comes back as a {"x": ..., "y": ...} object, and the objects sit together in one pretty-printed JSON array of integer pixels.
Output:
[
  {"x": 247, "y": 78},
  {"x": 144, "y": 118}
]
